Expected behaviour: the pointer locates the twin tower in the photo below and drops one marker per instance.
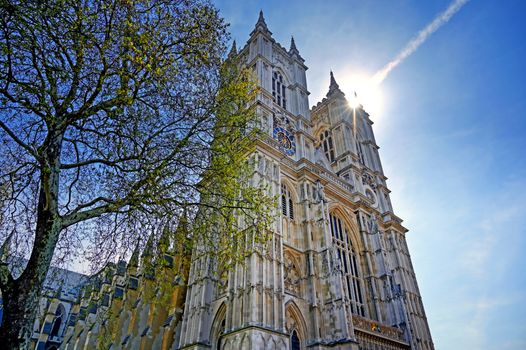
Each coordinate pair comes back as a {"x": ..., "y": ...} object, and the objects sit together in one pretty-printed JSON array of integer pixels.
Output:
[{"x": 337, "y": 273}]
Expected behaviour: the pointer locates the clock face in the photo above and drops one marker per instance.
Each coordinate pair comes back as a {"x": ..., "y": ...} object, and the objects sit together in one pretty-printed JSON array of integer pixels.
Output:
[{"x": 285, "y": 140}]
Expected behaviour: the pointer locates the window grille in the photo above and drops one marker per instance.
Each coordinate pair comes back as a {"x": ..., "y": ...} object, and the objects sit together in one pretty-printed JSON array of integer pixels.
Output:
[
  {"x": 287, "y": 205},
  {"x": 279, "y": 90},
  {"x": 352, "y": 283},
  {"x": 327, "y": 144}
]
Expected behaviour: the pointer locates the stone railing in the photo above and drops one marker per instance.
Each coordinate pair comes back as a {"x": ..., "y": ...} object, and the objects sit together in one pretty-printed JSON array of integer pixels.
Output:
[
  {"x": 303, "y": 163},
  {"x": 371, "y": 326}
]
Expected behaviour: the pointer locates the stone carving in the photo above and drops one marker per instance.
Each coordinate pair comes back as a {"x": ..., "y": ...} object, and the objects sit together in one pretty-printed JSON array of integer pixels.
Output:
[
  {"x": 292, "y": 275},
  {"x": 222, "y": 283},
  {"x": 370, "y": 195},
  {"x": 335, "y": 260},
  {"x": 319, "y": 156},
  {"x": 281, "y": 120},
  {"x": 367, "y": 179},
  {"x": 318, "y": 193},
  {"x": 373, "y": 326},
  {"x": 373, "y": 224},
  {"x": 324, "y": 265},
  {"x": 270, "y": 250},
  {"x": 290, "y": 324}
]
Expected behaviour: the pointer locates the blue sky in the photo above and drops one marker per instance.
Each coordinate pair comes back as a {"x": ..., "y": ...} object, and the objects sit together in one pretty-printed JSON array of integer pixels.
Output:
[{"x": 451, "y": 126}]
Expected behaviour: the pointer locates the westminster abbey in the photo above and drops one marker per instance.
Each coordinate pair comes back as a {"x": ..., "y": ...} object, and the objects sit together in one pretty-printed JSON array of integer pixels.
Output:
[{"x": 337, "y": 273}]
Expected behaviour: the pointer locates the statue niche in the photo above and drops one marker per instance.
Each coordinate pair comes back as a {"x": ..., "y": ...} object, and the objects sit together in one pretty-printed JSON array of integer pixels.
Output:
[{"x": 292, "y": 274}]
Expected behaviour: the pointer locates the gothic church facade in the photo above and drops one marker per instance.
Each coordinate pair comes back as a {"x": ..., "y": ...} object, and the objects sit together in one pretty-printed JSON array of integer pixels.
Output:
[{"x": 337, "y": 273}]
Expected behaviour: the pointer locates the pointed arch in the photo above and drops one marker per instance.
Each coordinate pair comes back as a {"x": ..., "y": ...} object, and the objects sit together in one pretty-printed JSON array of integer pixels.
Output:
[
  {"x": 280, "y": 70},
  {"x": 218, "y": 327},
  {"x": 280, "y": 85},
  {"x": 288, "y": 199},
  {"x": 291, "y": 186},
  {"x": 295, "y": 325},
  {"x": 325, "y": 138},
  {"x": 58, "y": 321},
  {"x": 350, "y": 221},
  {"x": 245, "y": 342}
]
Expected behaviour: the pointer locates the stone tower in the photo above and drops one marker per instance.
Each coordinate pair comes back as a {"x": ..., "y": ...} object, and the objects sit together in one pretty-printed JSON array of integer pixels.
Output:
[{"x": 336, "y": 273}]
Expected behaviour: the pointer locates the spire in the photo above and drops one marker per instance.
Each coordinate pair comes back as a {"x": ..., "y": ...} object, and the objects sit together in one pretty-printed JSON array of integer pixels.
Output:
[
  {"x": 134, "y": 260},
  {"x": 334, "y": 84},
  {"x": 334, "y": 87},
  {"x": 233, "y": 50},
  {"x": 261, "y": 25},
  {"x": 148, "y": 250},
  {"x": 293, "y": 48},
  {"x": 261, "y": 19}
]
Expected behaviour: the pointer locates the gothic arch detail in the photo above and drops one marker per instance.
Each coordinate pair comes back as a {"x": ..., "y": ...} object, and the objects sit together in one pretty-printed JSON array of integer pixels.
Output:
[
  {"x": 218, "y": 328},
  {"x": 349, "y": 219},
  {"x": 295, "y": 326},
  {"x": 279, "y": 88},
  {"x": 326, "y": 143},
  {"x": 287, "y": 201}
]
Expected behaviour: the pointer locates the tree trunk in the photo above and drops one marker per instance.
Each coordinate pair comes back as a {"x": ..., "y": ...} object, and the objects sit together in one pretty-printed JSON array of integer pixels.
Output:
[{"x": 21, "y": 296}]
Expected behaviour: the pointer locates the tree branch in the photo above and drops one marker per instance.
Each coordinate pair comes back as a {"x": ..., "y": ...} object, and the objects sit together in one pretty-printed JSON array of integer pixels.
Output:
[{"x": 21, "y": 143}]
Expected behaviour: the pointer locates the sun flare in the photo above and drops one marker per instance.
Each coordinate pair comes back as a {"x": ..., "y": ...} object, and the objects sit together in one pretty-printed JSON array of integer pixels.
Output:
[{"x": 362, "y": 90}]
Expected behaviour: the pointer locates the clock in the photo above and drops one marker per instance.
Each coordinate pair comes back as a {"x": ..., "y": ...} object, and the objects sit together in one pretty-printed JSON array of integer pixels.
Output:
[{"x": 285, "y": 140}]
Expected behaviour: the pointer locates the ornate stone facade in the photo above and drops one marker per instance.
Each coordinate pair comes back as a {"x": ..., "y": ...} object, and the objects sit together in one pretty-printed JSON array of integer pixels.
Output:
[{"x": 336, "y": 273}]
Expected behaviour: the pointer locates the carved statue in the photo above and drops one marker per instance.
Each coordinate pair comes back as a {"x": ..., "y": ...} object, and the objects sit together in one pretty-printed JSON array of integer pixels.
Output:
[
  {"x": 373, "y": 224},
  {"x": 319, "y": 194}
]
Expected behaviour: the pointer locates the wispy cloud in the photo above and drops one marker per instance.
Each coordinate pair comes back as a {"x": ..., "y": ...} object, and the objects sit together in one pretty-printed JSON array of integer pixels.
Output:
[{"x": 441, "y": 19}]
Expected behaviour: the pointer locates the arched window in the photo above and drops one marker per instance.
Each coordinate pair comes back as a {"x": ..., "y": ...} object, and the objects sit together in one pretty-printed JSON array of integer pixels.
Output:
[
  {"x": 352, "y": 283},
  {"x": 218, "y": 328},
  {"x": 278, "y": 90},
  {"x": 327, "y": 144},
  {"x": 57, "y": 322},
  {"x": 295, "y": 341},
  {"x": 287, "y": 206}
]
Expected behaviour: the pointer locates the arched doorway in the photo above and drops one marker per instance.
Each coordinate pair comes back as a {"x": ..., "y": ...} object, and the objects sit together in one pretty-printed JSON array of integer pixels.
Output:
[{"x": 218, "y": 328}]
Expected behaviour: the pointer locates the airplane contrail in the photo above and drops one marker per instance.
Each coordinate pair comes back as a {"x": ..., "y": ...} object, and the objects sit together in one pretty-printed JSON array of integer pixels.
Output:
[{"x": 441, "y": 19}]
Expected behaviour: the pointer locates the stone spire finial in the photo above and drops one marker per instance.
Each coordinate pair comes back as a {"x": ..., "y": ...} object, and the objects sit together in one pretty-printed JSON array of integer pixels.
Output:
[
  {"x": 261, "y": 20},
  {"x": 333, "y": 87},
  {"x": 233, "y": 50},
  {"x": 334, "y": 84},
  {"x": 134, "y": 260},
  {"x": 261, "y": 25},
  {"x": 148, "y": 250},
  {"x": 293, "y": 49}
]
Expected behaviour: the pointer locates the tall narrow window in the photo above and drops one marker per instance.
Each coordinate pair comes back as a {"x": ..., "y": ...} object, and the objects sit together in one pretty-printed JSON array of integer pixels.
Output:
[
  {"x": 352, "y": 283},
  {"x": 279, "y": 90},
  {"x": 328, "y": 147},
  {"x": 60, "y": 313},
  {"x": 287, "y": 205},
  {"x": 294, "y": 341}
]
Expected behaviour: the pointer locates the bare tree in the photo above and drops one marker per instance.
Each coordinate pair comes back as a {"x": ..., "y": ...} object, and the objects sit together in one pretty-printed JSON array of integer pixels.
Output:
[{"x": 115, "y": 116}]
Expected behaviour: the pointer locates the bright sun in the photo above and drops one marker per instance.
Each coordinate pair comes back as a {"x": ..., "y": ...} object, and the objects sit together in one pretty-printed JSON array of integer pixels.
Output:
[{"x": 368, "y": 93}]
